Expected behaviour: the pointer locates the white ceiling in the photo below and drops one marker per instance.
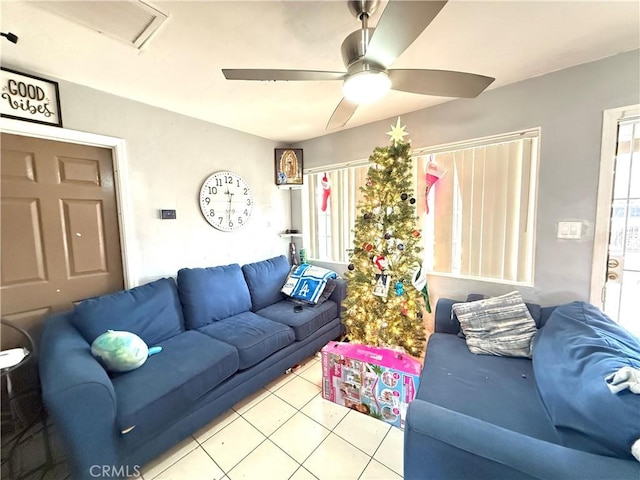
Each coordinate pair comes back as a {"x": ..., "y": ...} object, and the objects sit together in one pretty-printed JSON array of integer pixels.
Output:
[{"x": 179, "y": 68}]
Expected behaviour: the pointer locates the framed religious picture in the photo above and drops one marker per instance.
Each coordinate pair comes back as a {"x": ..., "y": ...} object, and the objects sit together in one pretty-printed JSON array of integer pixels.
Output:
[
  {"x": 288, "y": 166},
  {"x": 30, "y": 98}
]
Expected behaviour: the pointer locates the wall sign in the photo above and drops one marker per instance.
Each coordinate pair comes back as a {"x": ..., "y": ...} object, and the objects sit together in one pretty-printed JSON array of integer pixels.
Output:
[{"x": 25, "y": 97}]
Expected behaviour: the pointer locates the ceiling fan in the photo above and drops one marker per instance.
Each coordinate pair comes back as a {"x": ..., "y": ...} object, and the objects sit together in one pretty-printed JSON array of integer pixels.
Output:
[{"x": 367, "y": 54}]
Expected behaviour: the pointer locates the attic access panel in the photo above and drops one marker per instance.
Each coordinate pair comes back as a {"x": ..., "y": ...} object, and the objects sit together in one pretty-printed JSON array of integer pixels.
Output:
[{"x": 129, "y": 21}]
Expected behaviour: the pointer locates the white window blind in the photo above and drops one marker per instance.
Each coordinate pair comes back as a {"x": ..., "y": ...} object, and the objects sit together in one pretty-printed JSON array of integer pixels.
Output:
[
  {"x": 328, "y": 234},
  {"x": 483, "y": 209}
]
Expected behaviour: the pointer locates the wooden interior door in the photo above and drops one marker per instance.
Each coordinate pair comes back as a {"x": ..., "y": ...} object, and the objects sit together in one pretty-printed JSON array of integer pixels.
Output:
[{"x": 60, "y": 240}]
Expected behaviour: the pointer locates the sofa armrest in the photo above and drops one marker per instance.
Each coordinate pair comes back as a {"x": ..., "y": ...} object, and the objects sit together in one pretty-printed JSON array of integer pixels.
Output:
[
  {"x": 79, "y": 396},
  {"x": 339, "y": 294},
  {"x": 444, "y": 320},
  {"x": 495, "y": 452}
]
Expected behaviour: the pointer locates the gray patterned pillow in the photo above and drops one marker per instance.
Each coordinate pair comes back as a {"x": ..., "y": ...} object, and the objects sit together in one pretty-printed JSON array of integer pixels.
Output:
[{"x": 499, "y": 326}]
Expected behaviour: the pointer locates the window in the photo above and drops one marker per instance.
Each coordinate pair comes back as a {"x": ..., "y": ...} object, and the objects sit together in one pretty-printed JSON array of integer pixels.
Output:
[
  {"x": 482, "y": 211},
  {"x": 482, "y": 223},
  {"x": 328, "y": 232}
]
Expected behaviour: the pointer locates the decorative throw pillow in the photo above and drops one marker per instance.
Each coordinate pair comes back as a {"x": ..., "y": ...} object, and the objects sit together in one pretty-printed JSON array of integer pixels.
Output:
[
  {"x": 499, "y": 326},
  {"x": 326, "y": 293},
  {"x": 120, "y": 351},
  {"x": 307, "y": 282}
]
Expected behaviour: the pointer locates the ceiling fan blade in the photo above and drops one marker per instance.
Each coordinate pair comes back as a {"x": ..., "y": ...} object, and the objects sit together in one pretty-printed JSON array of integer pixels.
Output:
[
  {"x": 341, "y": 115},
  {"x": 400, "y": 24},
  {"x": 274, "y": 74},
  {"x": 441, "y": 83}
]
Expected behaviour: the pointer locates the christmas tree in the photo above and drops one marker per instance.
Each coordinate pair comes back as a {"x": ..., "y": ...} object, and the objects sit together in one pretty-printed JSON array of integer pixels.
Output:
[{"x": 383, "y": 308}]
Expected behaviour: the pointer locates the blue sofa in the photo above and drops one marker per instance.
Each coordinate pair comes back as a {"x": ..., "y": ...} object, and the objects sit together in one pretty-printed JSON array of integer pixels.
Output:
[
  {"x": 225, "y": 331},
  {"x": 549, "y": 417}
]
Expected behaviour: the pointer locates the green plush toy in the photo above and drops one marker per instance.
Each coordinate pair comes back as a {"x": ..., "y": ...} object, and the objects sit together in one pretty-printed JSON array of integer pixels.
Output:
[{"x": 120, "y": 351}]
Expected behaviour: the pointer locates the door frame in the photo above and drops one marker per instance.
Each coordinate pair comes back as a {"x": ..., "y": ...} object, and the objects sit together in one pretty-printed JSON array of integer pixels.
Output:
[
  {"x": 121, "y": 180},
  {"x": 610, "y": 120}
]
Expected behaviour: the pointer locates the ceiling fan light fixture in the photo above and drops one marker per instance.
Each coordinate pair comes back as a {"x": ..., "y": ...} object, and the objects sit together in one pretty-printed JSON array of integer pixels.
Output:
[{"x": 366, "y": 87}]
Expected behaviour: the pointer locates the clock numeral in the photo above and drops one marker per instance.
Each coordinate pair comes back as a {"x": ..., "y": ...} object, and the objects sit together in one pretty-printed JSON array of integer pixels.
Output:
[
  {"x": 228, "y": 179},
  {"x": 211, "y": 212},
  {"x": 246, "y": 191},
  {"x": 240, "y": 220},
  {"x": 212, "y": 190},
  {"x": 218, "y": 182},
  {"x": 248, "y": 201},
  {"x": 230, "y": 224},
  {"x": 219, "y": 220},
  {"x": 238, "y": 183},
  {"x": 246, "y": 212}
]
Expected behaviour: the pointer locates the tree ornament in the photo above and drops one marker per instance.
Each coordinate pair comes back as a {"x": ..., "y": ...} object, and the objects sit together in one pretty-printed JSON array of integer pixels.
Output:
[
  {"x": 401, "y": 246},
  {"x": 397, "y": 133},
  {"x": 419, "y": 315},
  {"x": 367, "y": 216},
  {"x": 412, "y": 200},
  {"x": 404, "y": 310},
  {"x": 404, "y": 196},
  {"x": 381, "y": 288},
  {"x": 415, "y": 233},
  {"x": 380, "y": 262},
  {"x": 387, "y": 236},
  {"x": 399, "y": 288},
  {"x": 369, "y": 182},
  {"x": 367, "y": 246},
  {"x": 351, "y": 267}
]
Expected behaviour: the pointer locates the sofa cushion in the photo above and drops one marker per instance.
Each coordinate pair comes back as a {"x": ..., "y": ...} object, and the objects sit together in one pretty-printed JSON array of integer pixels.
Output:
[
  {"x": 253, "y": 336},
  {"x": 158, "y": 393},
  {"x": 211, "y": 294},
  {"x": 497, "y": 390},
  {"x": 497, "y": 326},
  {"x": 572, "y": 354},
  {"x": 304, "y": 320},
  {"x": 151, "y": 311},
  {"x": 265, "y": 280}
]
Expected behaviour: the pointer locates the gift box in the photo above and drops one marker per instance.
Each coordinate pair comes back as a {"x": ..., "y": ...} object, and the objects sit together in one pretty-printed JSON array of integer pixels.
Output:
[{"x": 379, "y": 382}]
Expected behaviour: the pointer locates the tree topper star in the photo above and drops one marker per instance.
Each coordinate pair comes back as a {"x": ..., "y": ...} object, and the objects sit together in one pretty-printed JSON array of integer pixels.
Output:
[{"x": 397, "y": 132}]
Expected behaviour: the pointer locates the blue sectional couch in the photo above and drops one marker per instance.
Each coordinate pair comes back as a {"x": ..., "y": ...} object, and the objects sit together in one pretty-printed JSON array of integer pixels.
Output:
[
  {"x": 549, "y": 417},
  {"x": 225, "y": 332}
]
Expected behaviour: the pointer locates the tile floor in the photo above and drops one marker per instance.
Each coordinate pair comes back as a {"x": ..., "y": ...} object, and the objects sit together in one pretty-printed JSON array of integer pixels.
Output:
[{"x": 286, "y": 431}]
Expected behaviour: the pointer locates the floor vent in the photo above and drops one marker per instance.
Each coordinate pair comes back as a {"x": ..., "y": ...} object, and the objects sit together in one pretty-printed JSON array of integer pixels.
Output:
[{"x": 129, "y": 21}]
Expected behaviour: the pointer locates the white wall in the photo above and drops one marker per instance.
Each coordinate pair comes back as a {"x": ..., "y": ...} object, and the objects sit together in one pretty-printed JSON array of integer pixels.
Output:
[
  {"x": 568, "y": 106},
  {"x": 169, "y": 156}
]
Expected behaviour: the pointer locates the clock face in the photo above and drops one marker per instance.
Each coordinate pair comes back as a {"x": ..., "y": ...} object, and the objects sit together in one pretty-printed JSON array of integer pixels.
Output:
[{"x": 226, "y": 201}]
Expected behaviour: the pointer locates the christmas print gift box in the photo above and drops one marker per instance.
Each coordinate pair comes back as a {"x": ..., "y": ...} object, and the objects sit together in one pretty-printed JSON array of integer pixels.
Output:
[{"x": 377, "y": 381}]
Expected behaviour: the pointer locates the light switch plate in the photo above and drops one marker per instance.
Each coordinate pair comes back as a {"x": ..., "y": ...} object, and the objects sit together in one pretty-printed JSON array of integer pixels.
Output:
[{"x": 570, "y": 230}]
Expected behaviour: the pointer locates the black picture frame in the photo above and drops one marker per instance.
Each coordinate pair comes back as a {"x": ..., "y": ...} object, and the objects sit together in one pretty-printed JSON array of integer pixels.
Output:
[
  {"x": 288, "y": 166},
  {"x": 29, "y": 98}
]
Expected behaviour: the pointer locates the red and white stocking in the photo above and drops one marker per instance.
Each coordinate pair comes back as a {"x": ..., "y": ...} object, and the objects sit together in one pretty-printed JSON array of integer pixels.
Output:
[{"x": 326, "y": 191}]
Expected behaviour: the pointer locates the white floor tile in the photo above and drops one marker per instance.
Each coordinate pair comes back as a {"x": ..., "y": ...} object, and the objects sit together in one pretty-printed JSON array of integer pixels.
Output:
[
  {"x": 196, "y": 465},
  {"x": 215, "y": 426},
  {"x": 299, "y": 436},
  {"x": 336, "y": 459},
  {"x": 267, "y": 462},
  {"x": 302, "y": 474},
  {"x": 307, "y": 363},
  {"x": 362, "y": 431},
  {"x": 313, "y": 374},
  {"x": 391, "y": 452},
  {"x": 168, "y": 458},
  {"x": 233, "y": 443},
  {"x": 270, "y": 414},
  {"x": 279, "y": 382},
  {"x": 376, "y": 471},
  {"x": 253, "y": 399},
  {"x": 297, "y": 392},
  {"x": 326, "y": 413}
]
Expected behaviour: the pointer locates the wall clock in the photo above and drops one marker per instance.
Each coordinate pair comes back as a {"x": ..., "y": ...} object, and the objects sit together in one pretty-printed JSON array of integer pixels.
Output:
[{"x": 226, "y": 201}]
